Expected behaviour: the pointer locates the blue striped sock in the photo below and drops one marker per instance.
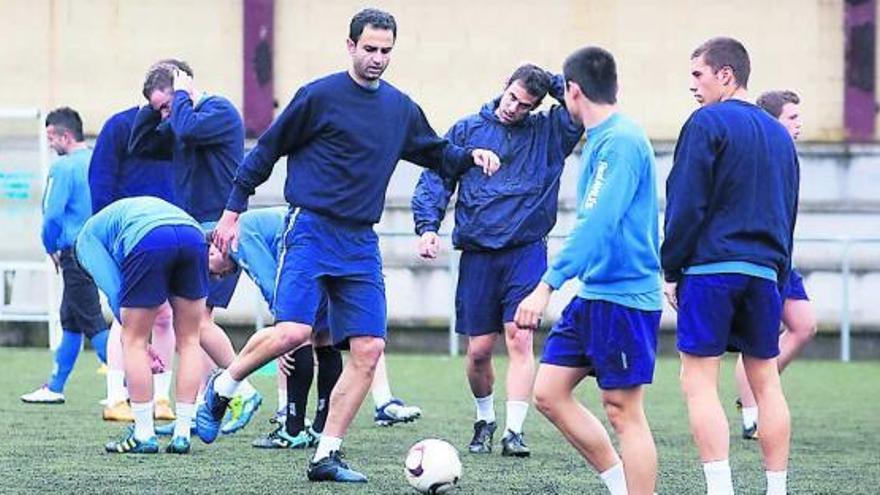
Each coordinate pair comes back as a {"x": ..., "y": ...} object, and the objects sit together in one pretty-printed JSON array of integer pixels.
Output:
[{"x": 65, "y": 358}]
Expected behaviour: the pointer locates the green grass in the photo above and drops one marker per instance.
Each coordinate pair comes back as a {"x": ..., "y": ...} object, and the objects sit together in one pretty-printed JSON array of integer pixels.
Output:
[{"x": 58, "y": 449}]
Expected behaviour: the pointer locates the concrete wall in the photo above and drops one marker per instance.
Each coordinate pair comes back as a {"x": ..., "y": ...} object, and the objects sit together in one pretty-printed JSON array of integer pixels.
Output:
[{"x": 451, "y": 55}]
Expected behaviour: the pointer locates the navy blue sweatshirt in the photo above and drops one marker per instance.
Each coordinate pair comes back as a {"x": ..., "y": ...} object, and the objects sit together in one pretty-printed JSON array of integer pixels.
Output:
[
  {"x": 732, "y": 194},
  {"x": 208, "y": 148},
  {"x": 518, "y": 204},
  {"x": 116, "y": 173},
  {"x": 343, "y": 142}
]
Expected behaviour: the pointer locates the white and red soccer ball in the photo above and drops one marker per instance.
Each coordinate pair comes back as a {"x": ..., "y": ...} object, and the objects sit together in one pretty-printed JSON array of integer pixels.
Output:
[{"x": 432, "y": 466}]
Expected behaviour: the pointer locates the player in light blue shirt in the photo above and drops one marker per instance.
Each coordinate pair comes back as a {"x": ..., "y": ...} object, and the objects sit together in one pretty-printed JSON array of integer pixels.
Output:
[{"x": 609, "y": 330}]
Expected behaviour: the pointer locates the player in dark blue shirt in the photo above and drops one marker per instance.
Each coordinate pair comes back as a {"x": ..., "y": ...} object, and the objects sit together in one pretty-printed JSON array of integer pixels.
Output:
[
  {"x": 731, "y": 205},
  {"x": 343, "y": 136}
]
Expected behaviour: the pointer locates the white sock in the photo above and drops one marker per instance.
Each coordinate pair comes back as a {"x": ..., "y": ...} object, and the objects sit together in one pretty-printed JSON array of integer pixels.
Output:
[
  {"x": 183, "y": 423},
  {"x": 776, "y": 481},
  {"x": 115, "y": 386},
  {"x": 614, "y": 479},
  {"x": 381, "y": 394},
  {"x": 282, "y": 399},
  {"x": 225, "y": 385},
  {"x": 162, "y": 386},
  {"x": 750, "y": 416},
  {"x": 485, "y": 408},
  {"x": 325, "y": 446},
  {"x": 718, "y": 478},
  {"x": 200, "y": 397},
  {"x": 245, "y": 389},
  {"x": 516, "y": 415},
  {"x": 143, "y": 420}
]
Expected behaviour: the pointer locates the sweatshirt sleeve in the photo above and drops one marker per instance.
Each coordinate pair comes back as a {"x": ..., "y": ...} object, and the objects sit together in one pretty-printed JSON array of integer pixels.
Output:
[
  {"x": 257, "y": 259},
  {"x": 609, "y": 193},
  {"x": 99, "y": 263},
  {"x": 433, "y": 193},
  {"x": 688, "y": 189},
  {"x": 55, "y": 198},
  {"x": 150, "y": 136},
  {"x": 425, "y": 148},
  {"x": 211, "y": 123},
  {"x": 293, "y": 128},
  {"x": 110, "y": 149},
  {"x": 565, "y": 132}
]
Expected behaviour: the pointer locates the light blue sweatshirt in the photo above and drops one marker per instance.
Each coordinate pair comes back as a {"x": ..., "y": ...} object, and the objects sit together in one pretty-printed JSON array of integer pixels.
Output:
[
  {"x": 614, "y": 246},
  {"x": 259, "y": 242},
  {"x": 66, "y": 200},
  {"x": 112, "y": 233}
]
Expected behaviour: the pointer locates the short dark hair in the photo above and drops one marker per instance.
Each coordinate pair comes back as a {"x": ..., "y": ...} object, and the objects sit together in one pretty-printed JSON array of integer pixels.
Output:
[
  {"x": 726, "y": 52},
  {"x": 160, "y": 75},
  {"x": 594, "y": 70},
  {"x": 67, "y": 119},
  {"x": 773, "y": 101},
  {"x": 534, "y": 79},
  {"x": 379, "y": 19}
]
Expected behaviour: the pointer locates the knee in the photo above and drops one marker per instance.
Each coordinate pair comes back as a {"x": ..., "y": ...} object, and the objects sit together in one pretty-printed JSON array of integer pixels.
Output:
[
  {"x": 366, "y": 351},
  {"x": 291, "y": 336},
  {"x": 616, "y": 413},
  {"x": 479, "y": 354},
  {"x": 520, "y": 344},
  {"x": 545, "y": 402}
]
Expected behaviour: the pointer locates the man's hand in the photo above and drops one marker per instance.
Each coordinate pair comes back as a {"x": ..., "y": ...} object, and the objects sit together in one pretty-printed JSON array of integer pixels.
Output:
[
  {"x": 670, "y": 291},
  {"x": 56, "y": 260},
  {"x": 183, "y": 82},
  {"x": 226, "y": 232},
  {"x": 528, "y": 314},
  {"x": 429, "y": 245},
  {"x": 487, "y": 160},
  {"x": 286, "y": 363}
]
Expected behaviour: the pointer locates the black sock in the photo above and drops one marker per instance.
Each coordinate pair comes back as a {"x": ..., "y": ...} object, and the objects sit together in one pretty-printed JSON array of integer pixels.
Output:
[
  {"x": 329, "y": 369},
  {"x": 299, "y": 381}
]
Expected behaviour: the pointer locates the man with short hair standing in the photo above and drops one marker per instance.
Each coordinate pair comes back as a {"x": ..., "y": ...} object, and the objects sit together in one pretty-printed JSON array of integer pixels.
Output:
[
  {"x": 343, "y": 135},
  {"x": 66, "y": 207},
  {"x": 609, "y": 330},
  {"x": 501, "y": 224},
  {"x": 731, "y": 205}
]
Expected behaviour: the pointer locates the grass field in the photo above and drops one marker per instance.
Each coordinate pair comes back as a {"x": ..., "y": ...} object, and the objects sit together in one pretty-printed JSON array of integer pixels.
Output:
[{"x": 58, "y": 449}]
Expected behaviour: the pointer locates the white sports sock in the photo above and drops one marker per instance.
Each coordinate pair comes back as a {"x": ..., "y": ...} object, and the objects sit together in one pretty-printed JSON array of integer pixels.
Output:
[
  {"x": 245, "y": 389},
  {"x": 200, "y": 397},
  {"x": 225, "y": 385},
  {"x": 485, "y": 408},
  {"x": 749, "y": 416},
  {"x": 143, "y": 420},
  {"x": 183, "y": 423},
  {"x": 776, "y": 481},
  {"x": 282, "y": 399},
  {"x": 718, "y": 478},
  {"x": 381, "y": 394},
  {"x": 325, "y": 446},
  {"x": 162, "y": 386},
  {"x": 516, "y": 415},
  {"x": 614, "y": 479},
  {"x": 115, "y": 386}
]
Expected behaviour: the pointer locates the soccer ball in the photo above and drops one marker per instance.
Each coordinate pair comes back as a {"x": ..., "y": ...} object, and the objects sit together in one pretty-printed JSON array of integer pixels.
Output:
[{"x": 432, "y": 466}]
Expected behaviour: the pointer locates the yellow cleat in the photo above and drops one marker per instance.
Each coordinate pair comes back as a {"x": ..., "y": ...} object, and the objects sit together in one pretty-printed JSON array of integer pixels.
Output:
[
  {"x": 102, "y": 370},
  {"x": 119, "y": 411},
  {"x": 162, "y": 410}
]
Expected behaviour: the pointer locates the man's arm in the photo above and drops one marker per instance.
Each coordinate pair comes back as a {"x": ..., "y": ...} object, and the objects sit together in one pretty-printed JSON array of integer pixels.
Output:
[
  {"x": 432, "y": 194},
  {"x": 258, "y": 259},
  {"x": 210, "y": 124},
  {"x": 100, "y": 265},
  {"x": 55, "y": 198},
  {"x": 150, "y": 136},
  {"x": 688, "y": 188},
  {"x": 564, "y": 131}
]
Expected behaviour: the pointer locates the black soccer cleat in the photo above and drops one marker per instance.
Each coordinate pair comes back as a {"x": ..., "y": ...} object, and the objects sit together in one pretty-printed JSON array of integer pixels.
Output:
[
  {"x": 482, "y": 441},
  {"x": 514, "y": 445},
  {"x": 333, "y": 468}
]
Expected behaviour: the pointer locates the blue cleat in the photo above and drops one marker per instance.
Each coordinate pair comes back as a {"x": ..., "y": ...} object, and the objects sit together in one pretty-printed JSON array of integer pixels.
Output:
[
  {"x": 395, "y": 411},
  {"x": 178, "y": 445},
  {"x": 211, "y": 411},
  {"x": 130, "y": 445},
  {"x": 243, "y": 411},
  {"x": 332, "y": 468}
]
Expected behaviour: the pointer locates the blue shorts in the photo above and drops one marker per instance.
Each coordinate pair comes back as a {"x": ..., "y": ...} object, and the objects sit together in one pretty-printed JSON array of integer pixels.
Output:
[
  {"x": 728, "y": 312},
  {"x": 491, "y": 284},
  {"x": 220, "y": 289},
  {"x": 616, "y": 344},
  {"x": 794, "y": 288},
  {"x": 321, "y": 255},
  {"x": 171, "y": 260}
]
